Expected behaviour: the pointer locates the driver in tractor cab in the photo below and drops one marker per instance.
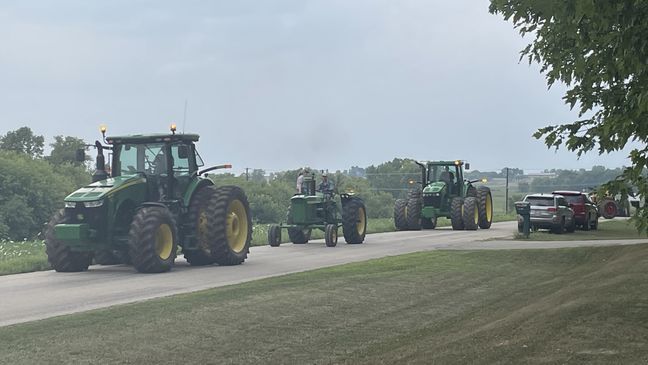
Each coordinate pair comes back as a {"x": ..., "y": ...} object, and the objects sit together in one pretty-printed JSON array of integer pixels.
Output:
[
  {"x": 325, "y": 186},
  {"x": 448, "y": 178}
]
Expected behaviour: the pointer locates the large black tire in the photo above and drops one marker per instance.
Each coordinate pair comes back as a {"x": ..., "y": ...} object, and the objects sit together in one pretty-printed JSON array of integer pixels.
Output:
[
  {"x": 414, "y": 206},
  {"x": 230, "y": 223},
  {"x": 485, "y": 201},
  {"x": 594, "y": 224},
  {"x": 456, "y": 213},
  {"x": 274, "y": 235},
  {"x": 571, "y": 227},
  {"x": 153, "y": 239},
  {"x": 198, "y": 223},
  {"x": 586, "y": 225},
  {"x": 400, "y": 214},
  {"x": 331, "y": 235},
  {"x": 354, "y": 221},
  {"x": 472, "y": 191},
  {"x": 471, "y": 213},
  {"x": 428, "y": 223},
  {"x": 60, "y": 256}
]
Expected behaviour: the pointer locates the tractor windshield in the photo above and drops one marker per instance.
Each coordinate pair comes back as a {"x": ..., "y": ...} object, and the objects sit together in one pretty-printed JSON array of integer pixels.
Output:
[{"x": 133, "y": 158}]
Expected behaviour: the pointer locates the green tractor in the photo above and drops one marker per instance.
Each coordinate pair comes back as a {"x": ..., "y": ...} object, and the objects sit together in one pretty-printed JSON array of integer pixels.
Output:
[
  {"x": 155, "y": 198},
  {"x": 445, "y": 193},
  {"x": 313, "y": 209}
]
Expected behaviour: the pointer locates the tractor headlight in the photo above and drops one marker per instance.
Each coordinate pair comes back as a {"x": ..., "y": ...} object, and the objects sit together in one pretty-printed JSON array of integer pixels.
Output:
[
  {"x": 93, "y": 204},
  {"x": 70, "y": 204}
]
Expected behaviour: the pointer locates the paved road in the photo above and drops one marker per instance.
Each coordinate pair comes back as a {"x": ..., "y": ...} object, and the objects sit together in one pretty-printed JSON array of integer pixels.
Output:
[{"x": 38, "y": 295}]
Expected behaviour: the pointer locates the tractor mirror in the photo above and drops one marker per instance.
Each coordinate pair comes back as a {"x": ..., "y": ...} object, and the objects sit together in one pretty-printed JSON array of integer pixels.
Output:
[
  {"x": 80, "y": 155},
  {"x": 183, "y": 151},
  {"x": 467, "y": 166}
]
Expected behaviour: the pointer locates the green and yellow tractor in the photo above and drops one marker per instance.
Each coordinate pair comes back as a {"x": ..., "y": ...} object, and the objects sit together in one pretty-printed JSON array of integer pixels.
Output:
[
  {"x": 154, "y": 197},
  {"x": 443, "y": 192},
  {"x": 313, "y": 209}
]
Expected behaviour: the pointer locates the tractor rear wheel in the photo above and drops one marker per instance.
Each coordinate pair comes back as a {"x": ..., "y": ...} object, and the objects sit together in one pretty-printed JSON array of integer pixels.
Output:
[
  {"x": 400, "y": 214},
  {"x": 228, "y": 216},
  {"x": 60, "y": 256},
  {"x": 274, "y": 235},
  {"x": 485, "y": 205},
  {"x": 609, "y": 208},
  {"x": 414, "y": 206},
  {"x": 153, "y": 239},
  {"x": 471, "y": 213},
  {"x": 354, "y": 221},
  {"x": 331, "y": 235},
  {"x": 456, "y": 213},
  {"x": 428, "y": 223},
  {"x": 199, "y": 224}
]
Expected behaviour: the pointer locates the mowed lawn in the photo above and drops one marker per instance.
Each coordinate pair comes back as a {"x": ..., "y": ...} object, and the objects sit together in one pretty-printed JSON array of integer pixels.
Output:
[{"x": 577, "y": 306}]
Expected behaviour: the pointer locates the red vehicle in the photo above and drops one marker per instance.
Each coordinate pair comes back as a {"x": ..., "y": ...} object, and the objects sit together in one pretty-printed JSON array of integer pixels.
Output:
[{"x": 585, "y": 211}]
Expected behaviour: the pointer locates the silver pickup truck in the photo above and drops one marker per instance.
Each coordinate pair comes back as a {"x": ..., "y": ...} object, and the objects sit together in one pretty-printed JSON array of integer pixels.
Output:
[{"x": 551, "y": 211}]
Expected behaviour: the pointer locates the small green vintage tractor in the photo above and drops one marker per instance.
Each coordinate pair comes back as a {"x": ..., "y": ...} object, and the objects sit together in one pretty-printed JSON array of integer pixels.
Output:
[
  {"x": 155, "y": 198},
  {"x": 443, "y": 192},
  {"x": 313, "y": 209}
]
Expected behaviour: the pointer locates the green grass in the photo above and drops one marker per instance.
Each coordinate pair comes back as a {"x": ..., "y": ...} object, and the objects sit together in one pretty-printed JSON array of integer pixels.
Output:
[
  {"x": 607, "y": 230},
  {"x": 577, "y": 306}
]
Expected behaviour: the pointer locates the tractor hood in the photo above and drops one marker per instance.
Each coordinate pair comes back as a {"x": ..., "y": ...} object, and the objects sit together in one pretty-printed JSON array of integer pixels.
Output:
[
  {"x": 101, "y": 189},
  {"x": 434, "y": 187}
]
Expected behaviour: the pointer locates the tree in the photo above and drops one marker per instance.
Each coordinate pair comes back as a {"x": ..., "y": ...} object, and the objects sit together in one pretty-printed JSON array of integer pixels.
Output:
[
  {"x": 23, "y": 140},
  {"x": 64, "y": 150},
  {"x": 598, "y": 48}
]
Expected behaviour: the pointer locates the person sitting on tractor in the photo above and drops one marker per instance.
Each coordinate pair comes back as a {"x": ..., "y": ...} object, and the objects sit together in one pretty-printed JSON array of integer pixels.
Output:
[
  {"x": 448, "y": 178},
  {"x": 325, "y": 186}
]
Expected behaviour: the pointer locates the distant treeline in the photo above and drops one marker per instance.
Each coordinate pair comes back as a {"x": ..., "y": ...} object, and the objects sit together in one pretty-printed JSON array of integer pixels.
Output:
[{"x": 32, "y": 185}]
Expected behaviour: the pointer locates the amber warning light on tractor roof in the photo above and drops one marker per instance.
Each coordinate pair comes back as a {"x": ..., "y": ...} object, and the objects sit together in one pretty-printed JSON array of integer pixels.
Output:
[{"x": 173, "y": 128}]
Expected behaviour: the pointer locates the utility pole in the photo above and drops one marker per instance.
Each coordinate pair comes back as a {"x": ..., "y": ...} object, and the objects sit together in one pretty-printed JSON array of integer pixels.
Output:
[
  {"x": 247, "y": 175},
  {"x": 507, "y": 190}
]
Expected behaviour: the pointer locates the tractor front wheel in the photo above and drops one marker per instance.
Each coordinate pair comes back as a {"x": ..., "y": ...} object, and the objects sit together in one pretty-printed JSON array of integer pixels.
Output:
[
  {"x": 414, "y": 206},
  {"x": 354, "y": 221},
  {"x": 153, "y": 240},
  {"x": 400, "y": 214},
  {"x": 456, "y": 213},
  {"x": 274, "y": 235},
  {"x": 60, "y": 256},
  {"x": 331, "y": 235}
]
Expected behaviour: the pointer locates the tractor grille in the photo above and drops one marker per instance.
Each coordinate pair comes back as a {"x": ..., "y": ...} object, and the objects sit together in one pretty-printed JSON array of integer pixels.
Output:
[
  {"x": 431, "y": 201},
  {"x": 95, "y": 217}
]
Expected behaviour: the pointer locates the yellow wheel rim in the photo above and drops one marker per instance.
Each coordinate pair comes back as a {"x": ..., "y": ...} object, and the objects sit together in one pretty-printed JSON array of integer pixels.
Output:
[
  {"x": 361, "y": 221},
  {"x": 237, "y": 226},
  {"x": 489, "y": 207},
  {"x": 163, "y": 241},
  {"x": 476, "y": 215}
]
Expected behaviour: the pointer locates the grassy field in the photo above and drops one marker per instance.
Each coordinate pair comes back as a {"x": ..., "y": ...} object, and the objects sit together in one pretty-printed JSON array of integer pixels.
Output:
[{"x": 578, "y": 306}]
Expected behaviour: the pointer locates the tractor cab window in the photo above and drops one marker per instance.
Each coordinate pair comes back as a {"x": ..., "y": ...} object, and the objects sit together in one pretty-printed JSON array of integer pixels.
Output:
[
  {"x": 135, "y": 158},
  {"x": 180, "y": 153}
]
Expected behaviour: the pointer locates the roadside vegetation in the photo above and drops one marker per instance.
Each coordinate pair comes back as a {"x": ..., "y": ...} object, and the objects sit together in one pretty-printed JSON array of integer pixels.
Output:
[{"x": 577, "y": 306}]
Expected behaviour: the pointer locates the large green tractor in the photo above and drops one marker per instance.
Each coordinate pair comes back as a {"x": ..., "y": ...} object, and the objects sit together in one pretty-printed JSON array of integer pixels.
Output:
[
  {"x": 318, "y": 210},
  {"x": 443, "y": 192},
  {"x": 155, "y": 198}
]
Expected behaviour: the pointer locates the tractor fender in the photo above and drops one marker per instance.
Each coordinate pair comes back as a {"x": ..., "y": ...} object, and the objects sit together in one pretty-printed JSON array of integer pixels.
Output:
[
  {"x": 150, "y": 204},
  {"x": 195, "y": 185}
]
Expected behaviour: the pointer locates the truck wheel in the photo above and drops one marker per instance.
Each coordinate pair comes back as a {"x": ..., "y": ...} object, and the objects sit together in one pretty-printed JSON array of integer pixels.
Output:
[
  {"x": 230, "y": 224},
  {"x": 414, "y": 206},
  {"x": 199, "y": 224},
  {"x": 60, "y": 256},
  {"x": 428, "y": 223},
  {"x": 470, "y": 213},
  {"x": 572, "y": 226},
  {"x": 609, "y": 208},
  {"x": 456, "y": 213},
  {"x": 153, "y": 239},
  {"x": 560, "y": 227},
  {"x": 485, "y": 205},
  {"x": 594, "y": 224},
  {"x": 586, "y": 224},
  {"x": 354, "y": 221},
  {"x": 274, "y": 235},
  {"x": 330, "y": 235},
  {"x": 400, "y": 214}
]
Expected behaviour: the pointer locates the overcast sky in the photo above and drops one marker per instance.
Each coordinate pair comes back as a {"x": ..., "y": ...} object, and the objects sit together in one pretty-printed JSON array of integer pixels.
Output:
[{"x": 282, "y": 84}]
